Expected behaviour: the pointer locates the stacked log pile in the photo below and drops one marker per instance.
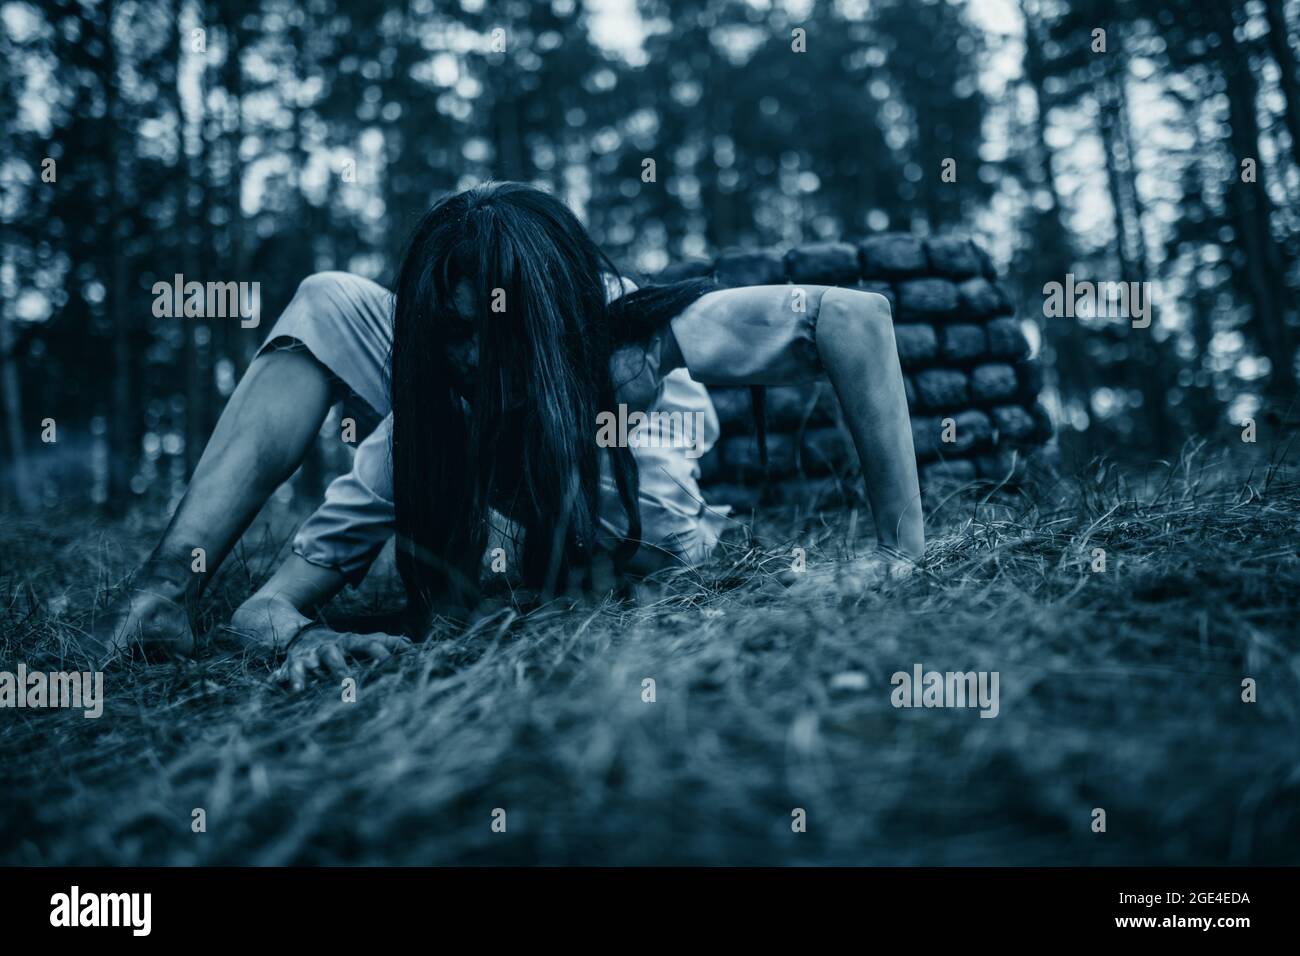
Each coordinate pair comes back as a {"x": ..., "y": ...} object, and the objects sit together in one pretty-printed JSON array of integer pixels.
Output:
[{"x": 971, "y": 386}]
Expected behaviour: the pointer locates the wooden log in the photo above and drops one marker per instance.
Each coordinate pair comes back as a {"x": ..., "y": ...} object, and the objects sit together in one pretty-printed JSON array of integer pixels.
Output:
[
  {"x": 961, "y": 343},
  {"x": 740, "y": 456},
  {"x": 786, "y": 407},
  {"x": 953, "y": 257},
  {"x": 979, "y": 299},
  {"x": 1014, "y": 424},
  {"x": 823, "y": 263},
  {"x": 951, "y": 471},
  {"x": 1006, "y": 339},
  {"x": 968, "y": 375},
  {"x": 993, "y": 383},
  {"x": 939, "y": 389},
  {"x": 891, "y": 255},
  {"x": 917, "y": 344},
  {"x": 926, "y": 300},
  {"x": 759, "y": 267},
  {"x": 881, "y": 288},
  {"x": 826, "y": 451},
  {"x": 686, "y": 269}
]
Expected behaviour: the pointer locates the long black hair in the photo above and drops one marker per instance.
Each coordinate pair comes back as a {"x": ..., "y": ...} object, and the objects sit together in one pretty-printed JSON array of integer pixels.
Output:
[{"x": 520, "y": 437}]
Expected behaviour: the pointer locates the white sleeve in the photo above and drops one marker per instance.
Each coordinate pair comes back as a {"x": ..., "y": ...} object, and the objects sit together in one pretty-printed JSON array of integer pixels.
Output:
[
  {"x": 617, "y": 286},
  {"x": 354, "y": 521}
]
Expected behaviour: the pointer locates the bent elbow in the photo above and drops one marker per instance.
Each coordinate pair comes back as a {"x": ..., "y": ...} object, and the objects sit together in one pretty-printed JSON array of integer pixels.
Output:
[{"x": 855, "y": 321}]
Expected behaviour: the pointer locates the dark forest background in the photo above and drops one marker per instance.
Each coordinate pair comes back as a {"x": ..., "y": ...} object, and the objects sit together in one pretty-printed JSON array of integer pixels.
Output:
[{"x": 262, "y": 140}]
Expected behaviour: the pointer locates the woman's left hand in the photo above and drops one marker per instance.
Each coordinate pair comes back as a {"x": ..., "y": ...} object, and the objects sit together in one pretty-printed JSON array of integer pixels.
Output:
[{"x": 319, "y": 652}]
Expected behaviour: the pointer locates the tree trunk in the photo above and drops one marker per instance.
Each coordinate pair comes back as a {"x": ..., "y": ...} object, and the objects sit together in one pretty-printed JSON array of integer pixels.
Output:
[
  {"x": 11, "y": 396},
  {"x": 1145, "y": 369},
  {"x": 311, "y": 476},
  {"x": 122, "y": 436},
  {"x": 184, "y": 252},
  {"x": 198, "y": 330},
  {"x": 1053, "y": 258},
  {"x": 1279, "y": 44},
  {"x": 1252, "y": 209}
]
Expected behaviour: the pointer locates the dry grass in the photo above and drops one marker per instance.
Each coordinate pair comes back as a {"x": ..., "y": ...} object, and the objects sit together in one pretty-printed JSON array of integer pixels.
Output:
[{"x": 1119, "y": 690}]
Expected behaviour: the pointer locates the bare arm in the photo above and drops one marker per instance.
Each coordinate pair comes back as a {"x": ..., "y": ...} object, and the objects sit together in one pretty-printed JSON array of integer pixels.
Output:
[
  {"x": 285, "y": 604},
  {"x": 754, "y": 335},
  {"x": 855, "y": 339},
  {"x": 341, "y": 539}
]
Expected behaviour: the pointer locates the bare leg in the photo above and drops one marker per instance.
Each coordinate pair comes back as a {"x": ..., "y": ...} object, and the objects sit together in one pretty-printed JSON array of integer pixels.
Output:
[{"x": 261, "y": 437}]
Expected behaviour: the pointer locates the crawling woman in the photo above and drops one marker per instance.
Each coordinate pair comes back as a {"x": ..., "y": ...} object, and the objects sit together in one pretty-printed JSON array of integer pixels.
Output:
[{"x": 483, "y": 377}]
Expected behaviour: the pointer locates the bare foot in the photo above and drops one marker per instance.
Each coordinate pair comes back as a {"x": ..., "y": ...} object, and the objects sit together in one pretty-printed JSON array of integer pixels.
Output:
[{"x": 149, "y": 615}]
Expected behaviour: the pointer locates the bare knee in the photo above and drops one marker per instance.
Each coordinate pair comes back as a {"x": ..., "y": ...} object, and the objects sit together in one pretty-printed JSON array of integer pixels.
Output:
[
  {"x": 323, "y": 290},
  {"x": 323, "y": 283}
]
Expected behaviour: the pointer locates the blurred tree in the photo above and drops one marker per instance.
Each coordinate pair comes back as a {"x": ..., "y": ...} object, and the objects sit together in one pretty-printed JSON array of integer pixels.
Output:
[
  {"x": 1250, "y": 204},
  {"x": 1047, "y": 255},
  {"x": 1279, "y": 45},
  {"x": 306, "y": 135}
]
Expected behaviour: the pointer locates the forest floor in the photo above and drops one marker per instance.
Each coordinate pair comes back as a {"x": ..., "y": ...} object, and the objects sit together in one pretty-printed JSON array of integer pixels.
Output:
[{"x": 1120, "y": 689}]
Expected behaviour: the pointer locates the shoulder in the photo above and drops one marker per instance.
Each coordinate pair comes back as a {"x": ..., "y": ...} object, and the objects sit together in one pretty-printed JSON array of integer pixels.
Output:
[
  {"x": 751, "y": 335},
  {"x": 755, "y": 307}
]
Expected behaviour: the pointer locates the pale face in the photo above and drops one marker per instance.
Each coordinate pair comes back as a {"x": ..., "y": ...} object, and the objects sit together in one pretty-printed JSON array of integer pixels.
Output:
[{"x": 462, "y": 353}]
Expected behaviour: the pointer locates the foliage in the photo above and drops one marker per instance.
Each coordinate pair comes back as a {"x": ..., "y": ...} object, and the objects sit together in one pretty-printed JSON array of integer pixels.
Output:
[
  {"x": 1120, "y": 689},
  {"x": 306, "y": 136}
]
